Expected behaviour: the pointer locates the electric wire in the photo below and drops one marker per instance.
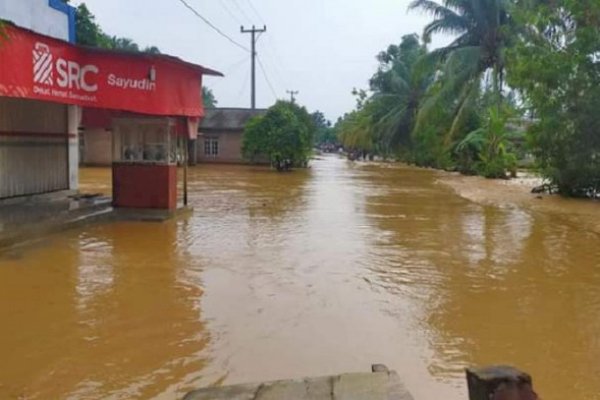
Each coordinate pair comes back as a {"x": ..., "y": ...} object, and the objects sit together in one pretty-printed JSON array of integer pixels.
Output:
[
  {"x": 264, "y": 72},
  {"x": 210, "y": 24},
  {"x": 242, "y": 11},
  {"x": 255, "y": 11},
  {"x": 224, "y": 5}
]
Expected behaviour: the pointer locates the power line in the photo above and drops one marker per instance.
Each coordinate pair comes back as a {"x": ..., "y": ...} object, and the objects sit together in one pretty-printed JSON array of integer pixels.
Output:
[
  {"x": 274, "y": 53},
  {"x": 224, "y": 5},
  {"x": 233, "y": 67},
  {"x": 229, "y": 71},
  {"x": 274, "y": 62},
  {"x": 264, "y": 72},
  {"x": 242, "y": 11},
  {"x": 243, "y": 89},
  {"x": 207, "y": 22},
  {"x": 256, "y": 12}
]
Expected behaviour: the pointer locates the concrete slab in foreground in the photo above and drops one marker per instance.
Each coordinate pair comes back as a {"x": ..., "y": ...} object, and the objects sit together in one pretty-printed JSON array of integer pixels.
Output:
[{"x": 382, "y": 385}]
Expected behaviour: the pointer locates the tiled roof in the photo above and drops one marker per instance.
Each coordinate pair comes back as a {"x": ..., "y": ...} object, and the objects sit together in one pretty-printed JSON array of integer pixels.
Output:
[{"x": 228, "y": 118}]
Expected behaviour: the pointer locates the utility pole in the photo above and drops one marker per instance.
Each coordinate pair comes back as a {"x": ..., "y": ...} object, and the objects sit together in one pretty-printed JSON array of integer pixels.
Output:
[
  {"x": 253, "y": 39},
  {"x": 293, "y": 94}
]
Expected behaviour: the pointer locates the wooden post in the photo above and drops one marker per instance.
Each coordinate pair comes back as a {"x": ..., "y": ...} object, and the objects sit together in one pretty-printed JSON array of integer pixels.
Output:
[
  {"x": 185, "y": 171},
  {"x": 500, "y": 383},
  {"x": 192, "y": 156}
]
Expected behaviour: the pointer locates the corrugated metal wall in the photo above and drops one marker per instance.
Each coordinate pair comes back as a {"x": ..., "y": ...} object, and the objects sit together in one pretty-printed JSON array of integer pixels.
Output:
[{"x": 33, "y": 147}]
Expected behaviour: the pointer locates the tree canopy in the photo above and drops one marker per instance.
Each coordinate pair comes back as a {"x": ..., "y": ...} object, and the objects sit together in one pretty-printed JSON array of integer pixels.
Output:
[
  {"x": 89, "y": 33},
  {"x": 383, "y": 122},
  {"x": 283, "y": 136},
  {"x": 324, "y": 132},
  {"x": 556, "y": 67},
  {"x": 421, "y": 105},
  {"x": 482, "y": 29},
  {"x": 513, "y": 65},
  {"x": 208, "y": 97}
]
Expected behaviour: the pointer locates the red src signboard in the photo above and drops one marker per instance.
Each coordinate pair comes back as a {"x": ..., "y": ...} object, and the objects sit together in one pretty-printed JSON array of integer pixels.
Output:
[{"x": 38, "y": 67}]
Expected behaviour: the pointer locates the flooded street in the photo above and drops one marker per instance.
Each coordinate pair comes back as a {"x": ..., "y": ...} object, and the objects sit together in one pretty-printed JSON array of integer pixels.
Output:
[{"x": 310, "y": 273}]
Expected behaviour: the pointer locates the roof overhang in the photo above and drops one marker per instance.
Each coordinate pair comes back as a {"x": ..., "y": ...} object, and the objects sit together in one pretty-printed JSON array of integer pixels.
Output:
[{"x": 39, "y": 67}]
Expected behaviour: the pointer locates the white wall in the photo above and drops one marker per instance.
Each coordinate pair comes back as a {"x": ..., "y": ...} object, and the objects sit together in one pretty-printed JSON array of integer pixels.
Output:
[{"x": 36, "y": 15}]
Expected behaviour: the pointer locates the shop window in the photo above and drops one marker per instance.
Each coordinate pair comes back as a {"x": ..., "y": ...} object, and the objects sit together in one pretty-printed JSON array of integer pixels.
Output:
[
  {"x": 211, "y": 147},
  {"x": 145, "y": 141}
]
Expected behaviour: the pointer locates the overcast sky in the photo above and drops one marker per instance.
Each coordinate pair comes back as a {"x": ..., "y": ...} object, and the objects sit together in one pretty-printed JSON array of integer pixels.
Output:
[{"x": 322, "y": 48}]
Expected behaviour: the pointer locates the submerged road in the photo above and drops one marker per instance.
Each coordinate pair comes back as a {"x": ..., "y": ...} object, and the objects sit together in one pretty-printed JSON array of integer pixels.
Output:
[{"x": 312, "y": 273}]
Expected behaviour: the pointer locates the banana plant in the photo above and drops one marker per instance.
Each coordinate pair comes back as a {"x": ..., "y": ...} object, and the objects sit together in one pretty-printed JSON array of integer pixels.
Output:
[{"x": 491, "y": 144}]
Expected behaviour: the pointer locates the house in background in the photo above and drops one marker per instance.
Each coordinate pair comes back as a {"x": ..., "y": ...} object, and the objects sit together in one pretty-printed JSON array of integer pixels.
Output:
[{"x": 220, "y": 135}]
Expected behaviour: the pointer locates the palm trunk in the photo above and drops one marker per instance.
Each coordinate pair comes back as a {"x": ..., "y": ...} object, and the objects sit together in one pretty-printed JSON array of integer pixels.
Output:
[{"x": 497, "y": 86}]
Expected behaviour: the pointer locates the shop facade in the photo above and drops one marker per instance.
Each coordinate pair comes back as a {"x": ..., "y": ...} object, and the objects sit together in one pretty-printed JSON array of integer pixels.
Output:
[{"x": 150, "y": 105}]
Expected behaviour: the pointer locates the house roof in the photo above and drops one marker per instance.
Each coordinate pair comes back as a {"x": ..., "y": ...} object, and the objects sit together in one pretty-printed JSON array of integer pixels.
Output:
[
  {"x": 228, "y": 118},
  {"x": 151, "y": 56}
]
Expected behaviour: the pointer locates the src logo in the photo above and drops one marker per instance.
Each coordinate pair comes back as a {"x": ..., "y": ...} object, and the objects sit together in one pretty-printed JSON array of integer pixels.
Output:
[
  {"x": 71, "y": 75},
  {"x": 43, "y": 68}
]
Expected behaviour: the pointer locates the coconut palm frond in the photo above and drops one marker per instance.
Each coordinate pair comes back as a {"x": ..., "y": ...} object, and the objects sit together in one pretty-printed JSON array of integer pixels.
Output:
[
  {"x": 453, "y": 25},
  {"x": 462, "y": 7},
  {"x": 469, "y": 92},
  {"x": 433, "y": 8},
  {"x": 463, "y": 61},
  {"x": 474, "y": 139}
]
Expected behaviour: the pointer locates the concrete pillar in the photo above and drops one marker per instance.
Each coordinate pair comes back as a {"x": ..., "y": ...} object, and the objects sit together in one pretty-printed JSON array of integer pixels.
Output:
[
  {"x": 74, "y": 119},
  {"x": 500, "y": 383}
]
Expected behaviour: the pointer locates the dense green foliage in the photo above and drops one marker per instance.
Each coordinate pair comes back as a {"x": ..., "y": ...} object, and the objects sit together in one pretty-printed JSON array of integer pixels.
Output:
[
  {"x": 513, "y": 65},
  {"x": 382, "y": 123},
  {"x": 423, "y": 104},
  {"x": 556, "y": 66},
  {"x": 490, "y": 146},
  {"x": 89, "y": 33},
  {"x": 324, "y": 132},
  {"x": 483, "y": 32},
  {"x": 282, "y": 137}
]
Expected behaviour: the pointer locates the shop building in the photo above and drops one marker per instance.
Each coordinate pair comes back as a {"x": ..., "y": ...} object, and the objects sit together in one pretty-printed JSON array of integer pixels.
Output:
[{"x": 149, "y": 104}]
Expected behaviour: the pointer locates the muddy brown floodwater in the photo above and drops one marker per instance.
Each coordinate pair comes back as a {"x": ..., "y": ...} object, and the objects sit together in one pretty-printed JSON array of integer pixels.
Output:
[{"x": 309, "y": 273}]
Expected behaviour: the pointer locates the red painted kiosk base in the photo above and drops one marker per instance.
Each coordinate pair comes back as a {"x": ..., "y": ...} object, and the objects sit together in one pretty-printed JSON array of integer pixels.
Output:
[{"x": 144, "y": 186}]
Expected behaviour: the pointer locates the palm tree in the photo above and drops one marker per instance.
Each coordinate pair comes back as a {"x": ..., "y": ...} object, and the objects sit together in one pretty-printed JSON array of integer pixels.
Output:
[
  {"x": 482, "y": 28},
  {"x": 398, "y": 88},
  {"x": 355, "y": 131}
]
